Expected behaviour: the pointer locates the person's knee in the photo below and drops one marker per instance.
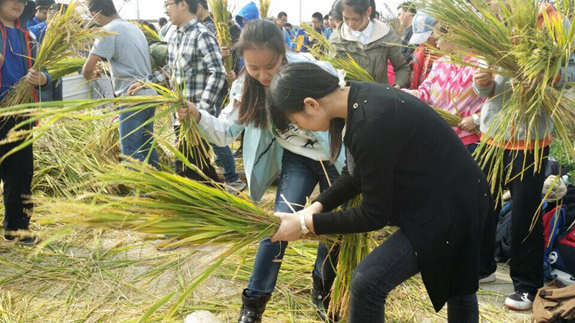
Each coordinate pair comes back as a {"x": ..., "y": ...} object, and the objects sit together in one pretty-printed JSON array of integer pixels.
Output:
[{"x": 362, "y": 286}]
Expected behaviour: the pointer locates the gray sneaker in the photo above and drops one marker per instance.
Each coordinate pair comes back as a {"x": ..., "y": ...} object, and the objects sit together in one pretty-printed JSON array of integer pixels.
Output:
[{"x": 236, "y": 187}]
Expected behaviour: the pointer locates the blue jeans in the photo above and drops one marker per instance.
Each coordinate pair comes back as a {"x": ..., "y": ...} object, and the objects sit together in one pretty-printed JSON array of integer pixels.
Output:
[
  {"x": 224, "y": 154},
  {"x": 387, "y": 266},
  {"x": 298, "y": 179},
  {"x": 226, "y": 157},
  {"x": 136, "y": 140}
]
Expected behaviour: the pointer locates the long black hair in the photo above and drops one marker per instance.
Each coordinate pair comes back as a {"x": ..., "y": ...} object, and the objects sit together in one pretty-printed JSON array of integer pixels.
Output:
[
  {"x": 291, "y": 85},
  {"x": 258, "y": 34}
]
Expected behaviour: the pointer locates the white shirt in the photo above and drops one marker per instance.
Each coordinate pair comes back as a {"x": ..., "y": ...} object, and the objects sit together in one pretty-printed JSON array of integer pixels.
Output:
[{"x": 364, "y": 35}]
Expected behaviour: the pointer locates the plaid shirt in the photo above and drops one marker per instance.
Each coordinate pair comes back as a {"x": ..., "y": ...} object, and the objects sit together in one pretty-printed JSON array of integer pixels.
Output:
[{"x": 194, "y": 58}]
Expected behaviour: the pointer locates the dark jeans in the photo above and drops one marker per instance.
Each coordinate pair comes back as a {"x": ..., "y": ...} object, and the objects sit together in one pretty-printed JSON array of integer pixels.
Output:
[
  {"x": 526, "y": 254},
  {"x": 16, "y": 173},
  {"x": 197, "y": 158},
  {"x": 137, "y": 139},
  {"x": 387, "y": 266},
  {"x": 298, "y": 179}
]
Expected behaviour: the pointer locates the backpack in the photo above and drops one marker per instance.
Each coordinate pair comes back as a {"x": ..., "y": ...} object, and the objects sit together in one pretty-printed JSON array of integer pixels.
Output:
[
  {"x": 555, "y": 304},
  {"x": 158, "y": 54},
  {"x": 554, "y": 225},
  {"x": 503, "y": 233}
]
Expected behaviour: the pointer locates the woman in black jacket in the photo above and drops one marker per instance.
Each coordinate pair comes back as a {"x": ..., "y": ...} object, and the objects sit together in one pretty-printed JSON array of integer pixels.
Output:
[{"x": 413, "y": 172}]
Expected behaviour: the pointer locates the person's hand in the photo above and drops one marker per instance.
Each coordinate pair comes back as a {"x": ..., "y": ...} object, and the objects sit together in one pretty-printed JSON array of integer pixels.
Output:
[
  {"x": 187, "y": 111},
  {"x": 226, "y": 52},
  {"x": 290, "y": 227},
  {"x": 36, "y": 78},
  {"x": 397, "y": 86},
  {"x": 231, "y": 76},
  {"x": 482, "y": 77},
  {"x": 467, "y": 124},
  {"x": 135, "y": 88}
]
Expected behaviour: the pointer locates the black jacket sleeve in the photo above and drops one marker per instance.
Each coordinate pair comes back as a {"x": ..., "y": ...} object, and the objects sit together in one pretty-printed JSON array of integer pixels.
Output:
[
  {"x": 340, "y": 192},
  {"x": 376, "y": 147}
]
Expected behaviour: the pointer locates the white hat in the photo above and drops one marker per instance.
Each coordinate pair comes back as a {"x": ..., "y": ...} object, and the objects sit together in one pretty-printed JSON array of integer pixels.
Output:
[{"x": 422, "y": 28}]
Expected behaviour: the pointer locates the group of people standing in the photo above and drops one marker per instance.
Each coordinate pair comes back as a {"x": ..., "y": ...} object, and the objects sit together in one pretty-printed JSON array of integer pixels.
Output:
[{"x": 302, "y": 122}]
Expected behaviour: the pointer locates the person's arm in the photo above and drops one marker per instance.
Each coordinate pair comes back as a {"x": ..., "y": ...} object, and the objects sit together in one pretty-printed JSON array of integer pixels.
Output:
[
  {"x": 340, "y": 192},
  {"x": 220, "y": 131},
  {"x": 376, "y": 166},
  {"x": 400, "y": 66},
  {"x": 483, "y": 83},
  {"x": 212, "y": 59},
  {"x": 423, "y": 92},
  {"x": 89, "y": 68}
]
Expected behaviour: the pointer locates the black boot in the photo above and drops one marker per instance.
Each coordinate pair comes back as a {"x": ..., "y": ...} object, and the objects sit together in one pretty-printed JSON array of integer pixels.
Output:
[
  {"x": 253, "y": 309},
  {"x": 321, "y": 296}
]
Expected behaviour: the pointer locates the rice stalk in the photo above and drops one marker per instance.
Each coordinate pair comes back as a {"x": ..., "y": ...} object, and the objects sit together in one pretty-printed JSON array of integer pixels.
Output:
[
  {"x": 265, "y": 8},
  {"x": 65, "y": 67},
  {"x": 167, "y": 100},
  {"x": 172, "y": 205},
  {"x": 353, "y": 248},
  {"x": 324, "y": 51},
  {"x": 220, "y": 15},
  {"x": 151, "y": 35},
  {"x": 66, "y": 34}
]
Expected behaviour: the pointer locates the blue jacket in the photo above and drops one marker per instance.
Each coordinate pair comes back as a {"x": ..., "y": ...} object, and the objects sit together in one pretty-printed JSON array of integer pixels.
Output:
[
  {"x": 33, "y": 22},
  {"x": 262, "y": 154},
  {"x": 28, "y": 50},
  {"x": 249, "y": 12}
]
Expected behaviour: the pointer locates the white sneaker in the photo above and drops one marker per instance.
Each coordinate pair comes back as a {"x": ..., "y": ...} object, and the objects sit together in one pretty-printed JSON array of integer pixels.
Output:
[
  {"x": 520, "y": 301},
  {"x": 236, "y": 187},
  {"x": 488, "y": 279}
]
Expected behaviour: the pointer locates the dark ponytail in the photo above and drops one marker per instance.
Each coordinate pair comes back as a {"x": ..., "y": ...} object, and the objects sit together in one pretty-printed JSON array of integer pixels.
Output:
[
  {"x": 258, "y": 34},
  {"x": 291, "y": 85}
]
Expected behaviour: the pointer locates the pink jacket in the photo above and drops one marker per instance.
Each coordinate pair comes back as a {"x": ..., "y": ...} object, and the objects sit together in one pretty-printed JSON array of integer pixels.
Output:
[{"x": 450, "y": 88}]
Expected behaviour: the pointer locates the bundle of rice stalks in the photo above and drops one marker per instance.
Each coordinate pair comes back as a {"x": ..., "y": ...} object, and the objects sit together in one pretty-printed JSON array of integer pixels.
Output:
[
  {"x": 166, "y": 101},
  {"x": 530, "y": 44},
  {"x": 68, "y": 156},
  {"x": 265, "y": 8},
  {"x": 169, "y": 205},
  {"x": 65, "y": 67},
  {"x": 353, "y": 248},
  {"x": 220, "y": 15},
  {"x": 67, "y": 33}
]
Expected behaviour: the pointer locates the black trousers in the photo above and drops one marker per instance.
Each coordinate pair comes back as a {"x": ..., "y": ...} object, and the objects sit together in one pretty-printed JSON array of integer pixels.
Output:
[
  {"x": 16, "y": 173},
  {"x": 526, "y": 254},
  {"x": 197, "y": 158}
]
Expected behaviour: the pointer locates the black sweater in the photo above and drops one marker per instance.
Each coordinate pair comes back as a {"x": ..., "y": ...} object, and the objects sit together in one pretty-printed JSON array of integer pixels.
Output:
[{"x": 412, "y": 169}]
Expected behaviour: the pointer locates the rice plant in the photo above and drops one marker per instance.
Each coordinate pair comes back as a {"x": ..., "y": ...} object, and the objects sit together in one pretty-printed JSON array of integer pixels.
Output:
[
  {"x": 265, "y": 8},
  {"x": 151, "y": 35},
  {"x": 220, "y": 15},
  {"x": 65, "y": 67}
]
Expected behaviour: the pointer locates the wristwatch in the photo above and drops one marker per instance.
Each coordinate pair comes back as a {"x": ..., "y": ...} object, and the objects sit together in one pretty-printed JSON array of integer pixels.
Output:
[{"x": 304, "y": 229}]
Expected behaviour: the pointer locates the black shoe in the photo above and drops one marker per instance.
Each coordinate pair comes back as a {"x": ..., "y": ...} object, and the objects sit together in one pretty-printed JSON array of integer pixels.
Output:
[
  {"x": 519, "y": 301},
  {"x": 238, "y": 153},
  {"x": 253, "y": 309},
  {"x": 321, "y": 296},
  {"x": 22, "y": 240}
]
